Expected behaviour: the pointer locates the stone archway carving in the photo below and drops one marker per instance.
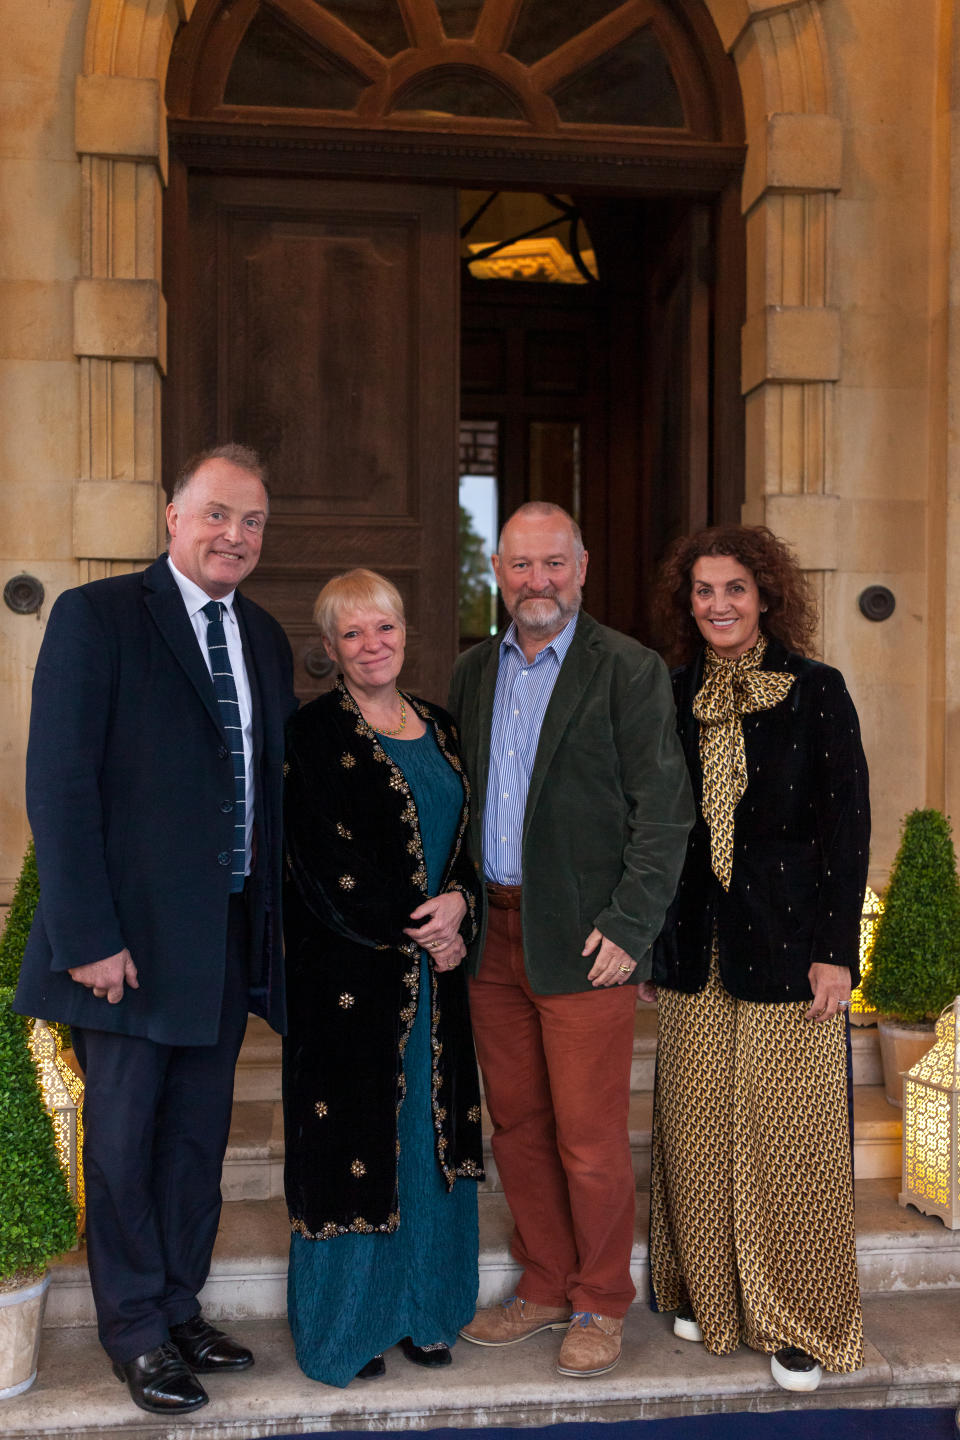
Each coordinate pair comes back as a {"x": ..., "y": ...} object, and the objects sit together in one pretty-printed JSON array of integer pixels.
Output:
[{"x": 791, "y": 339}]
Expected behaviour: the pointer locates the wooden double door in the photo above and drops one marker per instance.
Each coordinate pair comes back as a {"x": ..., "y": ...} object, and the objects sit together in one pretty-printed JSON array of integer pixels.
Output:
[{"x": 325, "y": 322}]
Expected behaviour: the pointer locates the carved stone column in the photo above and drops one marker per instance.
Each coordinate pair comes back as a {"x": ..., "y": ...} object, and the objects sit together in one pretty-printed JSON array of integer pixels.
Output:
[
  {"x": 119, "y": 315},
  {"x": 791, "y": 338}
]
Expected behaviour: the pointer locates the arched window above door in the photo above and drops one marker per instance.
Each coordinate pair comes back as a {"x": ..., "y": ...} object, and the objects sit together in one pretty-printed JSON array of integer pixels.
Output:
[{"x": 580, "y": 68}]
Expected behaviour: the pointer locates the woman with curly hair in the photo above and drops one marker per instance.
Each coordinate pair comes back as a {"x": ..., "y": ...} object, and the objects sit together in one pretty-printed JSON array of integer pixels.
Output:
[{"x": 751, "y": 1208}]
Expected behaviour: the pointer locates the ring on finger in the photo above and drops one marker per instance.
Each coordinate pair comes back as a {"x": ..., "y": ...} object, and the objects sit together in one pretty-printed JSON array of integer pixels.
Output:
[{"x": 625, "y": 969}]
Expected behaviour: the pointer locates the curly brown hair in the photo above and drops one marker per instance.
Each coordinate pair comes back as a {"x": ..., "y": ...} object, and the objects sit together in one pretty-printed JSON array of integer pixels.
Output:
[{"x": 791, "y": 613}]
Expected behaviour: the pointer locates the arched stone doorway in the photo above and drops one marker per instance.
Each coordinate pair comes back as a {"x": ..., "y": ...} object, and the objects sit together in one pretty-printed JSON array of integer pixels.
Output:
[
  {"x": 316, "y": 155},
  {"x": 789, "y": 339}
]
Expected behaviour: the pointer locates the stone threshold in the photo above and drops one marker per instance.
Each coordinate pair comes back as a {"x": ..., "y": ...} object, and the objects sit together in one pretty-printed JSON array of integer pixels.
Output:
[{"x": 912, "y": 1358}]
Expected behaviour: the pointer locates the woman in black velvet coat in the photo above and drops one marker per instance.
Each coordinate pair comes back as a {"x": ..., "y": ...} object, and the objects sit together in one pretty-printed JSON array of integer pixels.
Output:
[
  {"x": 381, "y": 1097},
  {"x": 752, "y": 1234}
]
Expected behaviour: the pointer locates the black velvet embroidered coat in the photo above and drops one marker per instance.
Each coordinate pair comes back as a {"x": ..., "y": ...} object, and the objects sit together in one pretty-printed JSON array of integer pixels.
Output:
[
  {"x": 355, "y": 871},
  {"x": 800, "y": 850}
]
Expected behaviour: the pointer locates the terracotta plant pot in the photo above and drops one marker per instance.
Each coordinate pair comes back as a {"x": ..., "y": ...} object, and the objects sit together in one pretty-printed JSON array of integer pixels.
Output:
[
  {"x": 21, "y": 1315},
  {"x": 901, "y": 1046}
]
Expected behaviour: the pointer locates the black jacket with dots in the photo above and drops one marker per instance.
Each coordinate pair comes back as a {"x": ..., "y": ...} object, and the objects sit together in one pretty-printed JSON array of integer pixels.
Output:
[{"x": 801, "y": 844}]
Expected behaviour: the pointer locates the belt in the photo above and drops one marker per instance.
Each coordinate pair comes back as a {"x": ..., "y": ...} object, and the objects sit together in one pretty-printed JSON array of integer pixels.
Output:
[{"x": 504, "y": 897}]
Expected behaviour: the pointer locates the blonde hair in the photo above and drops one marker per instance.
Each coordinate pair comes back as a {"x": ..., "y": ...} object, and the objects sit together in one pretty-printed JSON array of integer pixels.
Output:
[{"x": 355, "y": 590}]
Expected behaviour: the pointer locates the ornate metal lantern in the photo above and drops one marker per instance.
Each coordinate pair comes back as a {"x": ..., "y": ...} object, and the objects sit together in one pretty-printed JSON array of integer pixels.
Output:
[
  {"x": 63, "y": 1098},
  {"x": 861, "y": 1012},
  {"x": 931, "y": 1162}
]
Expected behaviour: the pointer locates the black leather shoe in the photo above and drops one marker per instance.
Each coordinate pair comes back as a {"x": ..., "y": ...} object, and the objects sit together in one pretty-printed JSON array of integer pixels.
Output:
[
  {"x": 159, "y": 1381},
  {"x": 373, "y": 1369},
  {"x": 208, "y": 1351},
  {"x": 429, "y": 1355}
]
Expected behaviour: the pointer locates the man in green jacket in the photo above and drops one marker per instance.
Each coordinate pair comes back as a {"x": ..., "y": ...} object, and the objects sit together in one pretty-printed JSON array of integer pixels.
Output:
[{"x": 583, "y": 808}]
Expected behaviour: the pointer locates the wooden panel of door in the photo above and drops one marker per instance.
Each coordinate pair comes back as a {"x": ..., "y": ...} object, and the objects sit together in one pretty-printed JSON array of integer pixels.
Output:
[
  {"x": 678, "y": 499},
  {"x": 317, "y": 321}
]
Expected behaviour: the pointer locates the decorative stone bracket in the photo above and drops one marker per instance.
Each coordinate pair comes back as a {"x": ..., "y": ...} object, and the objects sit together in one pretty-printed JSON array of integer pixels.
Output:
[{"x": 733, "y": 17}]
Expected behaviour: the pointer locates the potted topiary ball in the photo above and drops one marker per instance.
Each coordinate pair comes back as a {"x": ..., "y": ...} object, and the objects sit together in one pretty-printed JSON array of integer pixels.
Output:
[
  {"x": 37, "y": 1216},
  {"x": 915, "y": 959}
]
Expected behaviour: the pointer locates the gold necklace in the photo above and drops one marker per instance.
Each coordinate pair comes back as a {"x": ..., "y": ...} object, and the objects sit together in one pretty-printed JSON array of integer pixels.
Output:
[{"x": 403, "y": 720}]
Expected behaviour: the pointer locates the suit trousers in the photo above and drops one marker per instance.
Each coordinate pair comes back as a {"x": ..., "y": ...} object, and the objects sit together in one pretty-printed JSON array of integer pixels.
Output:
[
  {"x": 156, "y": 1120},
  {"x": 556, "y": 1074}
]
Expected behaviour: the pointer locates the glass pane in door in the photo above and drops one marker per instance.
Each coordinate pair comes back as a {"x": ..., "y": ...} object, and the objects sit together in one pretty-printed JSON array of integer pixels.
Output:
[{"x": 479, "y": 518}]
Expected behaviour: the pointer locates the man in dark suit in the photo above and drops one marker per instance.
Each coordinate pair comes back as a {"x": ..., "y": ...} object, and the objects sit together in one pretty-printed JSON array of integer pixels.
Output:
[
  {"x": 153, "y": 789},
  {"x": 569, "y": 734}
]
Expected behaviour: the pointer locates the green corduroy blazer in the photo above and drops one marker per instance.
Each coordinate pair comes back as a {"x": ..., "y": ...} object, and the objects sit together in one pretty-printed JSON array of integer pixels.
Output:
[{"x": 609, "y": 806}]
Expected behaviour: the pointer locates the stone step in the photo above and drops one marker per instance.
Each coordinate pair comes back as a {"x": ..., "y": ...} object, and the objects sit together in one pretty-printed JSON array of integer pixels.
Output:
[
  {"x": 258, "y": 1072},
  {"x": 898, "y": 1249},
  {"x": 911, "y": 1359},
  {"x": 258, "y": 1069},
  {"x": 253, "y": 1166}
]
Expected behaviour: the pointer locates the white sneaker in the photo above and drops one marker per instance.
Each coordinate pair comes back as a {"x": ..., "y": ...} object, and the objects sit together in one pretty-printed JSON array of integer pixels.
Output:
[
  {"x": 685, "y": 1325},
  {"x": 794, "y": 1369}
]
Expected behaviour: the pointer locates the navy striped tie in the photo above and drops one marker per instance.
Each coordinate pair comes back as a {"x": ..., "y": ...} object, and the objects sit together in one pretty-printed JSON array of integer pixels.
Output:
[{"x": 225, "y": 688}]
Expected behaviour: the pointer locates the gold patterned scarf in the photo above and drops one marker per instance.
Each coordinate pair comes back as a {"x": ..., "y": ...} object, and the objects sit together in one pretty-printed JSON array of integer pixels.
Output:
[{"x": 730, "y": 690}]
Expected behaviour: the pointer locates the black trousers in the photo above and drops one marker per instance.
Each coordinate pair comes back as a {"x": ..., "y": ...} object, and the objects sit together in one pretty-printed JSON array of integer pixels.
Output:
[{"x": 156, "y": 1120}]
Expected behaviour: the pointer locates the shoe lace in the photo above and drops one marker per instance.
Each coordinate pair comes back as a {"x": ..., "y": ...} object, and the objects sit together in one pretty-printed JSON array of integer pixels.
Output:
[{"x": 583, "y": 1317}]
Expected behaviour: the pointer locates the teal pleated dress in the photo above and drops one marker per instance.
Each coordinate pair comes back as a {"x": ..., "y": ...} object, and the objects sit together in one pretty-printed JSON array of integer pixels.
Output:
[{"x": 355, "y": 1296}]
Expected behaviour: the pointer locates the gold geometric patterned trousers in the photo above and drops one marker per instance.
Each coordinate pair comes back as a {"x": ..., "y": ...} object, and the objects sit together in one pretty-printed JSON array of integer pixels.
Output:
[{"x": 751, "y": 1193}]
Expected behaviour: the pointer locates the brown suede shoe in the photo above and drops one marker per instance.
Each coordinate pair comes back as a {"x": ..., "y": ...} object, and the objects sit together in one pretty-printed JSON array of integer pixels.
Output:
[
  {"x": 513, "y": 1321},
  {"x": 592, "y": 1344}
]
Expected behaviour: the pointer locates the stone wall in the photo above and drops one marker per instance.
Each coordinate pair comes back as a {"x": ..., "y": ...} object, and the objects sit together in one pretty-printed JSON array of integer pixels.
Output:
[
  {"x": 889, "y": 424},
  {"x": 40, "y": 435}
]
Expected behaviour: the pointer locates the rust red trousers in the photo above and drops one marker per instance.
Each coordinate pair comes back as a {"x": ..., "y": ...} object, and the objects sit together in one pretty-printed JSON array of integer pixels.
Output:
[{"x": 556, "y": 1073}]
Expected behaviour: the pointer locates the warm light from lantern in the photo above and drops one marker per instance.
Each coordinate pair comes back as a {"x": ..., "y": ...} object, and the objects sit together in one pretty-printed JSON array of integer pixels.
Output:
[
  {"x": 931, "y": 1176},
  {"x": 63, "y": 1099},
  {"x": 872, "y": 910}
]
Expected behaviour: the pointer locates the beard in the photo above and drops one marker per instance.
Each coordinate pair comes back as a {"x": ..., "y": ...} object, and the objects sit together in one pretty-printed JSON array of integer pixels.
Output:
[{"x": 545, "y": 614}]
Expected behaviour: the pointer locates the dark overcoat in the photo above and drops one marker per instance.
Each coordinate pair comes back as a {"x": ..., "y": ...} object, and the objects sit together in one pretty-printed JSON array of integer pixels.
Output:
[
  {"x": 609, "y": 805},
  {"x": 129, "y": 784},
  {"x": 355, "y": 871},
  {"x": 801, "y": 844}
]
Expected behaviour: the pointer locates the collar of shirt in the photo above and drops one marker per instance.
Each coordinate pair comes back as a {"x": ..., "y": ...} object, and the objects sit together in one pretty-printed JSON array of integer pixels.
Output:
[
  {"x": 560, "y": 644},
  {"x": 194, "y": 598}
]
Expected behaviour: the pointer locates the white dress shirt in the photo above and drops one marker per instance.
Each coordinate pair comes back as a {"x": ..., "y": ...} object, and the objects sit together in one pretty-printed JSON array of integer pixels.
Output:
[{"x": 194, "y": 598}]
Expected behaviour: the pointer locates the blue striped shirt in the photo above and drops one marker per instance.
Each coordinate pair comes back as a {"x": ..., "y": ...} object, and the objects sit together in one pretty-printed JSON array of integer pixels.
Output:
[{"x": 519, "y": 705}]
